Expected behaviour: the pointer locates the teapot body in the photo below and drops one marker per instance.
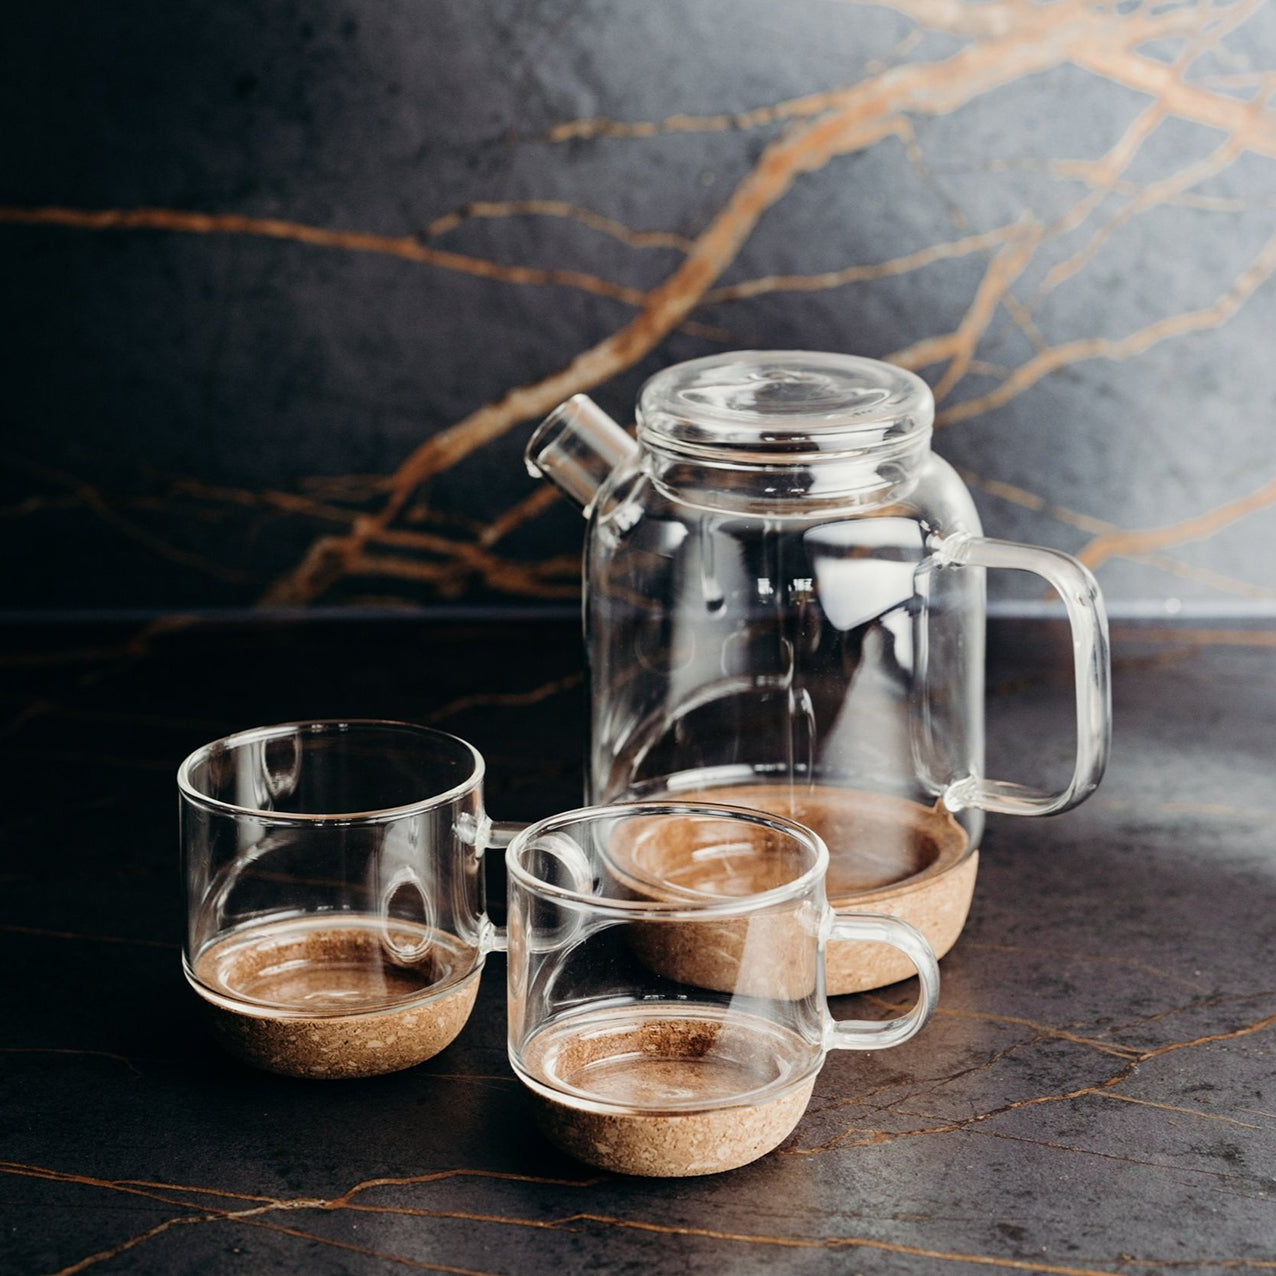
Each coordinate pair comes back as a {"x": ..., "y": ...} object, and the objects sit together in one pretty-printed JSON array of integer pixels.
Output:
[
  {"x": 737, "y": 654},
  {"x": 785, "y": 609}
]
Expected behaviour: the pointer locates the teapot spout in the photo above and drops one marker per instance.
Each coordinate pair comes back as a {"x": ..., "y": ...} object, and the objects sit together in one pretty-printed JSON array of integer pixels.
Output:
[{"x": 576, "y": 447}]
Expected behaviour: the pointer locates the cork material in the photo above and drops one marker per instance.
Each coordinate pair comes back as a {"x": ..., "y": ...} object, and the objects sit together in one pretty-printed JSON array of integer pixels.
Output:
[
  {"x": 330, "y": 1001},
  {"x": 660, "y": 1069},
  {"x": 769, "y": 953},
  {"x": 673, "y": 1145},
  {"x": 937, "y": 904},
  {"x": 886, "y": 855}
]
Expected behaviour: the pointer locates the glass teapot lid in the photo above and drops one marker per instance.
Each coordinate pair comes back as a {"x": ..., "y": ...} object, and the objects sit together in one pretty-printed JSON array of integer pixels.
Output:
[{"x": 789, "y": 404}]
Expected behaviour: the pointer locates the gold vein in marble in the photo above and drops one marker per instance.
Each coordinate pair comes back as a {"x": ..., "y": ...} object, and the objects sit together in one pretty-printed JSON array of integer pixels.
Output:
[
  {"x": 863, "y": 115},
  {"x": 1042, "y": 1032},
  {"x": 862, "y": 1138},
  {"x": 530, "y": 507},
  {"x": 1066, "y": 954},
  {"x": 1200, "y": 527},
  {"x": 1120, "y": 349},
  {"x": 1111, "y": 541},
  {"x": 386, "y": 1256},
  {"x": 450, "y": 564},
  {"x": 89, "y": 497},
  {"x": 1182, "y": 1111},
  {"x": 260, "y": 1204},
  {"x": 958, "y": 347},
  {"x": 252, "y": 1217},
  {"x": 1149, "y": 197},
  {"x": 519, "y": 699},
  {"x": 405, "y": 247},
  {"x": 1169, "y": 1167},
  {"x": 488, "y": 209},
  {"x": 1008, "y": 41},
  {"x": 824, "y": 281},
  {"x": 105, "y": 1255}
]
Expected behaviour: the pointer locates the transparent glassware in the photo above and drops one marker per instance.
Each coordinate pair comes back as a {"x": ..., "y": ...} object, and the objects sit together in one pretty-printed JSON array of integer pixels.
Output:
[
  {"x": 785, "y": 609},
  {"x": 666, "y": 986},
  {"x": 335, "y": 922}
]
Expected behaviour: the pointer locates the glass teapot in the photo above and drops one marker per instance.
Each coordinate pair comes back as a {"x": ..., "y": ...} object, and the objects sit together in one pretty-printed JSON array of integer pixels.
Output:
[{"x": 784, "y": 609}]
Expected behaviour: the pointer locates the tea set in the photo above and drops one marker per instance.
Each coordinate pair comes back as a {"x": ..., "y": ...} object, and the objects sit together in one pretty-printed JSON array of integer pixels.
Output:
[{"x": 784, "y": 617}]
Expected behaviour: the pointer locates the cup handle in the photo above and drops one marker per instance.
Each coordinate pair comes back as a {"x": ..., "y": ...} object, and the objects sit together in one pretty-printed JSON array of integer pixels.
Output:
[
  {"x": 1088, "y": 620},
  {"x": 494, "y": 835},
  {"x": 499, "y": 834},
  {"x": 874, "y": 1034}
]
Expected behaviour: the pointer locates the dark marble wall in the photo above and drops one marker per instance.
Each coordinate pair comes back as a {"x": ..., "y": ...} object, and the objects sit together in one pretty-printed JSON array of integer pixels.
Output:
[{"x": 284, "y": 285}]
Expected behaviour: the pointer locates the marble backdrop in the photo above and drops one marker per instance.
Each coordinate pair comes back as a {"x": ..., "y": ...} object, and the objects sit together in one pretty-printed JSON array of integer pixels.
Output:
[{"x": 286, "y": 285}]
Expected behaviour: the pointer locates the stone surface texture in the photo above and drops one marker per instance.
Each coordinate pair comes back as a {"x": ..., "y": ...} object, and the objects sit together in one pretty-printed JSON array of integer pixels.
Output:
[
  {"x": 1096, "y": 1094},
  {"x": 286, "y": 285}
]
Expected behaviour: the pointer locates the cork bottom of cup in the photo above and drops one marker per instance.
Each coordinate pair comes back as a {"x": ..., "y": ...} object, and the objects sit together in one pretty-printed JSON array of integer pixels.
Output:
[
  {"x": 668, "y": 1091},
  {"x": 326, "y": 998},
  {"x": 677, "y": 1145}
]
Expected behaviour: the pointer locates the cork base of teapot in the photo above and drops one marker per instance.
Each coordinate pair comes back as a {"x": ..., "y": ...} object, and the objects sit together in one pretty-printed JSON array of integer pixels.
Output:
[
  {"x": 936, "y": 904},
  {"x": 887, "y": 856}
]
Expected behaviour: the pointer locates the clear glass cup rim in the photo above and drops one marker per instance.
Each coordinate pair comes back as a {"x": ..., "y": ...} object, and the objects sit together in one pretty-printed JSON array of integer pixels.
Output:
[
  {"x": 330, "y": 727},
  {"x": 688, "y": 904}
]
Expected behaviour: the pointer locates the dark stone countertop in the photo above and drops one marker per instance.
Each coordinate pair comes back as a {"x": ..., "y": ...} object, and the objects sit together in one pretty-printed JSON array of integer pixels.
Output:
[{"x": 1097, "y": 1093}]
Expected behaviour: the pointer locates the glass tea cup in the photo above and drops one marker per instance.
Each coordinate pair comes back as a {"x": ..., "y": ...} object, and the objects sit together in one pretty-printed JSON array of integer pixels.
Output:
[
  {"x": 675, "y": 1025},
  {"x": 334, "y": 892}
]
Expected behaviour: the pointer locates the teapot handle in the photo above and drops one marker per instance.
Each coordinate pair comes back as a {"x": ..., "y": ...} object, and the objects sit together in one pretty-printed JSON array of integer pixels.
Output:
[{"x": 1083, "y": 602}]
